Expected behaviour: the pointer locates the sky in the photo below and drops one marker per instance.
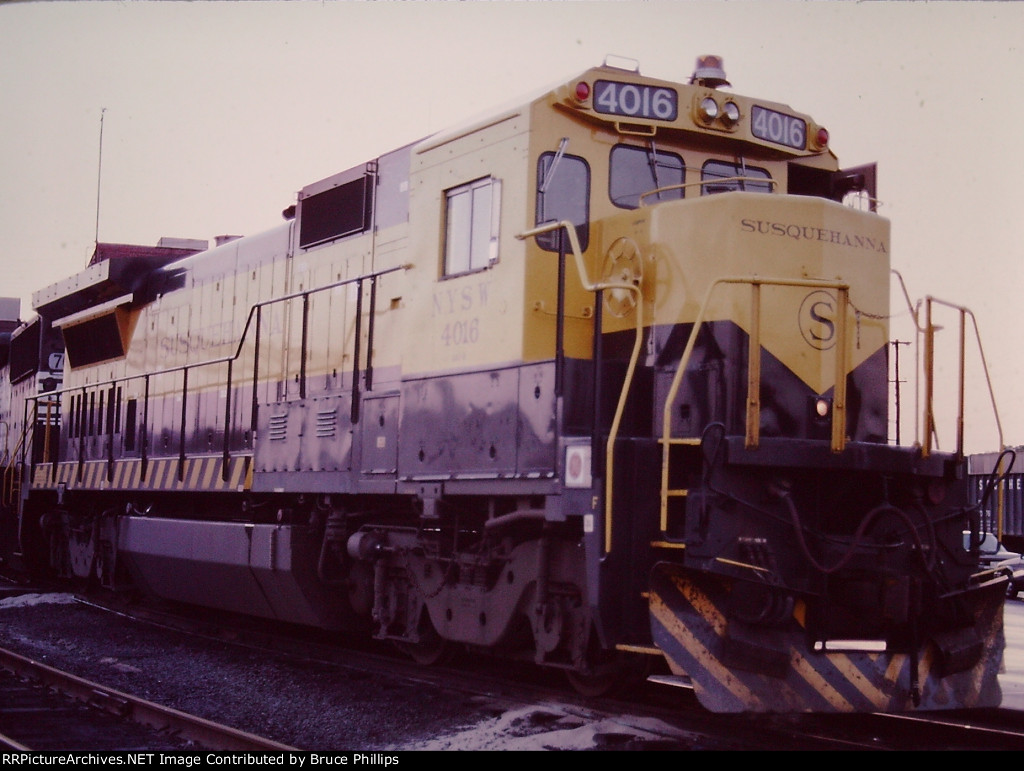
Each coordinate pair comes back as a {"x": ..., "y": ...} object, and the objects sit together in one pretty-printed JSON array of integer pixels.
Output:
[{"x": 128, "y": 121}]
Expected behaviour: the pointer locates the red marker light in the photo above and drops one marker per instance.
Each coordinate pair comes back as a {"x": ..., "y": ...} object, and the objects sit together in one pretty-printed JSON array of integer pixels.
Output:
[
  {"x": 582, "y": 91},
  {"x": 822, "y": 137}
]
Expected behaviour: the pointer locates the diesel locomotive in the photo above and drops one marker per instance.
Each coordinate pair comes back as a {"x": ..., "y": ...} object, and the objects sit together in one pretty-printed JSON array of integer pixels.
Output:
[{"x": 597, "y": 381}]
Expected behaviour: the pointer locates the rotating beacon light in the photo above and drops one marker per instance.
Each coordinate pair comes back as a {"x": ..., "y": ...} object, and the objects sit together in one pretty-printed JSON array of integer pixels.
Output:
[{"x": 709, "y": 72}]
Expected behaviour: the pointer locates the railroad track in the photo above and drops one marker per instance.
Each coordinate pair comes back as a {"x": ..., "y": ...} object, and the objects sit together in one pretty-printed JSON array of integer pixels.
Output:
[
  {"x": 550, "y": 707},
  {"x": 47, "y": 709},
  {"x": 525, "y": 685}
]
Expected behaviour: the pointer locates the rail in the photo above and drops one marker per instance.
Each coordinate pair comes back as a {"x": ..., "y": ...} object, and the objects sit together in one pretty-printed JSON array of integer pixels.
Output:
[
  {"x": 753, "y": 412},
  {"x": 620, "y": 407},
  {"x": 205, "y": 733},
  {"x": 253, "y": 321}
]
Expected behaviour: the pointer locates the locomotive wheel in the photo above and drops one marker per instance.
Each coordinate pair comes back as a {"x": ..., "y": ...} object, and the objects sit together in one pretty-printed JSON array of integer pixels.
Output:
[
  {"x": 430, "y": 650},
  {"x": 428, "y": 654},
  {"x": 594, "y": 684}
]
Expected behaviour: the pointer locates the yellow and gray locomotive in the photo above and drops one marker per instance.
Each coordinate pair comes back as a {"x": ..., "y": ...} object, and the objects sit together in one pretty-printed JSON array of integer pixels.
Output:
[{"x": 599, "y": 381}]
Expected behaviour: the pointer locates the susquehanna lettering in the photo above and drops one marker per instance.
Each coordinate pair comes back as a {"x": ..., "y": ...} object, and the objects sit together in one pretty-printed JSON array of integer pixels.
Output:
[{"x": 811, "y": 233}]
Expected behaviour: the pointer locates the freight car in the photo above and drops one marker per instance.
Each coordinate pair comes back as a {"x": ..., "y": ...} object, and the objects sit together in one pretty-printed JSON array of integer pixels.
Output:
[{"x": 597, "y": 380}]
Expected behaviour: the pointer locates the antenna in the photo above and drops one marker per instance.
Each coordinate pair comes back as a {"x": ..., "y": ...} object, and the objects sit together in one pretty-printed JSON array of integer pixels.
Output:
[{"x": 99, "y": 177}]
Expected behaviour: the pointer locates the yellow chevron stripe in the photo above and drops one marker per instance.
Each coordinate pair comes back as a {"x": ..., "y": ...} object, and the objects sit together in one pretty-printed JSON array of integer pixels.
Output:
[
  {"x": 163, "y": 474},
  {"x": 153, "y": 475},
  {"x": 709, "y": 661},
  {"x": 725, "y": 677},
  {"x": 839, "y": 681},
  {"x": 701, "y": 603},
  {"x": 201, "y": 473},
  {"x": 40, "y": 476},
  {"x": 211, "y": 468},
  {"x": 181, "y": 480},
  {"x": 198, "y": 473},
  {"x": 242, "y": 469},
  {"x": 179, "y": 473},
  {"x": 836, "y": 699}
]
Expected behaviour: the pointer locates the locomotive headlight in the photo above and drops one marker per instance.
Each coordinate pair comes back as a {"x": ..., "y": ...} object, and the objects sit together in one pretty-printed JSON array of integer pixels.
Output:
[
  {"x": 708, "y": 109},
  {"x": 730, "y": 114},
  {"x": 577, "y": 466},
  {"x": 819, "y": 417}
]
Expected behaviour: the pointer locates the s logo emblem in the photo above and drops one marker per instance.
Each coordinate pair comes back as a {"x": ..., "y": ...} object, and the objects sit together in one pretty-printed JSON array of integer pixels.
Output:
[{"x": 817, "y": 320}]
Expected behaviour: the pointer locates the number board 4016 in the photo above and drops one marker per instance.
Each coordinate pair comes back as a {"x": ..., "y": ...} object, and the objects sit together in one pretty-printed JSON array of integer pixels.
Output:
[
  {"x": 778, "y": 127},
  {"x": 635, "y": 100}
]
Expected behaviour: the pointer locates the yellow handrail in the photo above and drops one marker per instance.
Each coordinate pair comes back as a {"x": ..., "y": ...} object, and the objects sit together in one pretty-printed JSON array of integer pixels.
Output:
[
  {"x": 11, "y": 467},
  {"x": 929, "y": 415},
  {"x": 928, "y": 330},
  {"x": 711, "y": 181},
  {"x": 11, "y": 482},
  {"x": 620, "y": 408}
]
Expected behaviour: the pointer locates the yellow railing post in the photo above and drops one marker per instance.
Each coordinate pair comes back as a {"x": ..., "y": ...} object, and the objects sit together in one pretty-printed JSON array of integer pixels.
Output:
[
  {"x": 11, "y": 482},
  {"x": 929, "y": 375},
  {"x": 838, "y": 441},
  {"x": 620, "y": 408},
  {"x": 928, "y": 331},
  {"x": 753, "y": 370},
  {"x": 839, "y": 415}
]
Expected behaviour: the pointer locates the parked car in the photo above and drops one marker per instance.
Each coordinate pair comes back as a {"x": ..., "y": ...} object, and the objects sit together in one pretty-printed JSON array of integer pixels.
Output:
[{"x": 994, "y": 555}]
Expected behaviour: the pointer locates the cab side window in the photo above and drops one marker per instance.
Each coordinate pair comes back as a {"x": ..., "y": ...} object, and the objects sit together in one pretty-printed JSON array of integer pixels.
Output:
[
  {"x": 563, "y": 193},
  {"x": 471, "y": 226}
]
